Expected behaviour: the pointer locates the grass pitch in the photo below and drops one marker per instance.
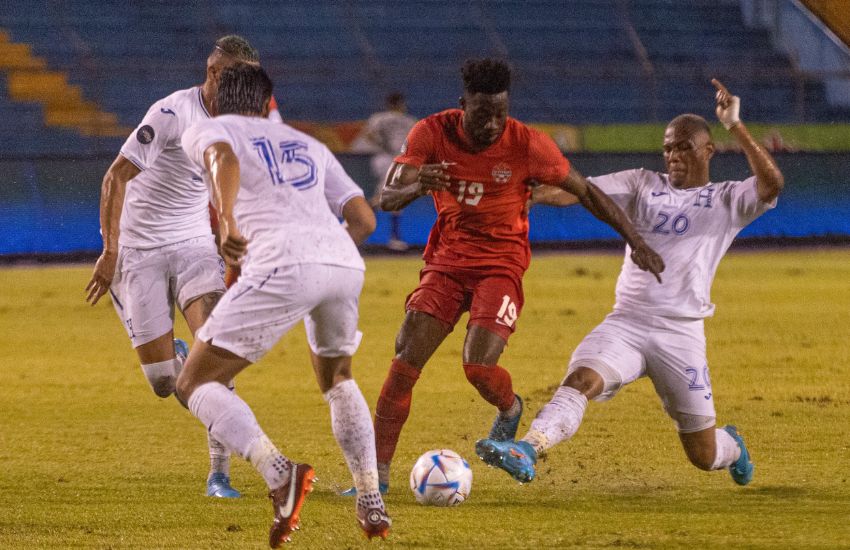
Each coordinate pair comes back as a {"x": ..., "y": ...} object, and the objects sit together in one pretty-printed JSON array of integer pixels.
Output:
[{"x": 90, "y": 458}]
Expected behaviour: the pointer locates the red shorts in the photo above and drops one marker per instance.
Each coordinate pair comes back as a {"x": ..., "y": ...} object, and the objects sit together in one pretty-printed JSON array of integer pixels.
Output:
[{"x": 493, "y": 299}]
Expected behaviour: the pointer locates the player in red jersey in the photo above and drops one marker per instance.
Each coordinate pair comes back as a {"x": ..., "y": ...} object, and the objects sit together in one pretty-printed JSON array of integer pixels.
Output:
[{"x": 478, "y": 165}]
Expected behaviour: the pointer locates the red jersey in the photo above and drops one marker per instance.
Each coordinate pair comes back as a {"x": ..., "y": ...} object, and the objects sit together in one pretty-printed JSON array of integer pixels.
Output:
[{"x": 480, "y": 221}]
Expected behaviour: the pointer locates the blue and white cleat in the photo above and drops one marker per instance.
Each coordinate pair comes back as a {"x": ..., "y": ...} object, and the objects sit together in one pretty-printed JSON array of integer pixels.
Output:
[
  {"x": 383, "y": 488},
  {"x": 504, "y": 429},
  {"x": 742, "y": 469},
  {"x": 218, "y": 485},
  {"x": 515, "y": 457},
  {"x": 181, "y": 348}
]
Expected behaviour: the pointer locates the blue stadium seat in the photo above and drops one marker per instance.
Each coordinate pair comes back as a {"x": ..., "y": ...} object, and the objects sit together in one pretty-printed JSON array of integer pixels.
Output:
[{"x": 574, "y": 61}]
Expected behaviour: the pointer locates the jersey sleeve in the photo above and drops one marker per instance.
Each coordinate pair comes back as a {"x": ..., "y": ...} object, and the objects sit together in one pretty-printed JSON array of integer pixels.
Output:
[
  {"x": 420, "y": 145},
  {"x": 159, "y": 129},
  {"x": 621, "y": 187},
  {"x": 547, "y": 165},
  {"x": 339, "y": 187},
  {"x": 744, "y": 202},
  {"x": 201, "y": 135}
]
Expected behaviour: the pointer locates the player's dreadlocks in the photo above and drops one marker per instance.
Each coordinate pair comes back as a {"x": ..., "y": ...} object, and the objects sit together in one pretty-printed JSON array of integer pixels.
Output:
[
  {"x": 243, "y": 89},
  {"x": 692, "y": 123},
  {"x": 486, "y": 76},
  {"x": 238, "y": 47}
]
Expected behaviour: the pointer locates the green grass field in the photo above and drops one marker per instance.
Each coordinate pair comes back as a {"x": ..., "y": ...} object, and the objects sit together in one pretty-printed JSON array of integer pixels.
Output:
[{"x": 89, "y": 458}]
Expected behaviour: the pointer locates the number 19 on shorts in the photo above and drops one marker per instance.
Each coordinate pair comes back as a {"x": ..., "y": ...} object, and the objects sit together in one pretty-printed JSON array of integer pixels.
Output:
[{"x": 507, "y": 314}]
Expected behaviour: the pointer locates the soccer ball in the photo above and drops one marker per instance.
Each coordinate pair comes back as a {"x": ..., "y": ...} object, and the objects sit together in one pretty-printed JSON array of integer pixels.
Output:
[{"x": 441, "y": 478}]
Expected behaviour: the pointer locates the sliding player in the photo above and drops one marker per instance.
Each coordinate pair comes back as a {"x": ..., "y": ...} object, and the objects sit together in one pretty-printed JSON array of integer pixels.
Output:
[{"x": 657, "y": 331}]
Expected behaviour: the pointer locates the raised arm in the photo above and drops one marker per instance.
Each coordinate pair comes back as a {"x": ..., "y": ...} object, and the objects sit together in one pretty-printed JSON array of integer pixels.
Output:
[
  {"x": 601, "y": 206},
  {"x": 405, "y": 183},
  {"x": 769, "y": 179},
  {"x": 223, "y": 167},
  {"x": 359, "y": 219},
  {"x": 112, "y": 192}
]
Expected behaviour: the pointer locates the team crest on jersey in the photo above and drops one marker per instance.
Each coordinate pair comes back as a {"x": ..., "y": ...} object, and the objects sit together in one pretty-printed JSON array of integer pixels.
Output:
[
  {"x": 501, "y": 173},
  {"x": 145, "y": 134}
]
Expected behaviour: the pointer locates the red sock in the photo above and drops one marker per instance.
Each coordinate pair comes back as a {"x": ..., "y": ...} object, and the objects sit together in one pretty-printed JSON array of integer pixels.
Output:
[
  {"x": 493, "y": 383},
  {"x": 393, "y": 407}
]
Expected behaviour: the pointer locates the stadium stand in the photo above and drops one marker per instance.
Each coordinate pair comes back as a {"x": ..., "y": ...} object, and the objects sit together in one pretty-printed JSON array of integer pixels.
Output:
[
  {"x": 332, "y": 61},
  {"x": 594, "y": 63}
]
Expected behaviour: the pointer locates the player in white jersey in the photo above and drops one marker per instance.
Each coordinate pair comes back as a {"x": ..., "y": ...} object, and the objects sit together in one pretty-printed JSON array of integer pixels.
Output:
[
  {"x": 158, "y": 247},
  {"x": 279, "y": 193},
  {"x": 656, "y": 330},
  {"x": 382, "y": 137}
]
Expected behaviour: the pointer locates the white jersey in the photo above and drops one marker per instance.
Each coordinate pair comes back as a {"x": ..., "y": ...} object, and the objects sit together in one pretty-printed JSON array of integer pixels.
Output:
[
  {"x": 386, "y": 133},
  {"x": 292, "y": 191},
  {"x": 690, "y": 228},
  {"x": 167, "y": 202}
]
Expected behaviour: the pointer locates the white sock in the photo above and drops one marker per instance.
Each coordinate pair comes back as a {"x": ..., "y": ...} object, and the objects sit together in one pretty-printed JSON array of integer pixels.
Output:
[
  {"x": 231, "y": 421},
  {"x": 558, "y": 420},
  {"x": 162, "y": 376},
  {"x": 355, "y": 434},
  {"x": 727, "y": 450},
  {"x": 219, "y": 453},
  {"x": 219, "y": 456}
]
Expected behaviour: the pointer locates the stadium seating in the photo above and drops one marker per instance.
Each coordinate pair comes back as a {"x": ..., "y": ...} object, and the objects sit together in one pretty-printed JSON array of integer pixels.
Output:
[{"x": 576, "y": 61}]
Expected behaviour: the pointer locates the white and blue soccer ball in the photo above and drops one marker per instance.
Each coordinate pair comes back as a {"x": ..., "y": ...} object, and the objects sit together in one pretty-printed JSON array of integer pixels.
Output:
[{"x": 441, "y": 478}]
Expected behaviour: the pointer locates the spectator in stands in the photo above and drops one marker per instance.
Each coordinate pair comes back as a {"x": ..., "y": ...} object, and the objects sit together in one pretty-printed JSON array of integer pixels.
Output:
[{"x": 383, "y": 137}]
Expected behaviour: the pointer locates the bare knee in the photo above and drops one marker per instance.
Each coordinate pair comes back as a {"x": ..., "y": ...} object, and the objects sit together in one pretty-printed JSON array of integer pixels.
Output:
[
  {"x": 585, "y": 380},
  {"x": 482, "y": 347},
  {"x": 419, "y": 337},
  {"x": 331, "y": 371},
  {"x": 162, "y": 386},
  {"x": 158, "y": 365}
]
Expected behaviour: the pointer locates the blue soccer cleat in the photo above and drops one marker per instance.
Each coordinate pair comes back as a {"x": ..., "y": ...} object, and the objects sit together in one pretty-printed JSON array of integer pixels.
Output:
[
  {"x": 218, "y": 485},
  {"x": 515, "y": 457},
  {"x": 742, "y": 469},
  {"x": 383, "y": 488},
  {"x": 181, "y": 349},
  {"x": 504, "y": 429}
]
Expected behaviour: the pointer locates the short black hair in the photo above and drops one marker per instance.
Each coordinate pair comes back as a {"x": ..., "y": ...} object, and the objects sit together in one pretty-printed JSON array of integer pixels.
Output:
[
  {"x": 394, "y": 99},
  {"x": 486, "y": 76},
  {"x": 692, "y": 123},
  {"x": 236, "y": 46},
  {"x": 243, "y": 89}
]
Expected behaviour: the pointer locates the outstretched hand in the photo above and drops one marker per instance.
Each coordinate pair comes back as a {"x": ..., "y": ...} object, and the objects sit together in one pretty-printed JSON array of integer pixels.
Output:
[
  {"x": 433, "y": 177},
  {"x": 648, "y": 260},
  {"x": 728, "y": 105}
]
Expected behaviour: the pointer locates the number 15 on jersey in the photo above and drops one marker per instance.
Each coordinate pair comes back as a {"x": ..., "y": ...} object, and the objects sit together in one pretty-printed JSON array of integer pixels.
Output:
[{"x": 294, "y": 168}]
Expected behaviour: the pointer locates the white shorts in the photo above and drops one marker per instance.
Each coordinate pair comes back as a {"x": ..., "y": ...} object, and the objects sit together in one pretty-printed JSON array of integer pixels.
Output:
[
  {"x": 669, "y": 350},
  {"x": 148, "y": 282},
  {"x": 259, "y": 309}
]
